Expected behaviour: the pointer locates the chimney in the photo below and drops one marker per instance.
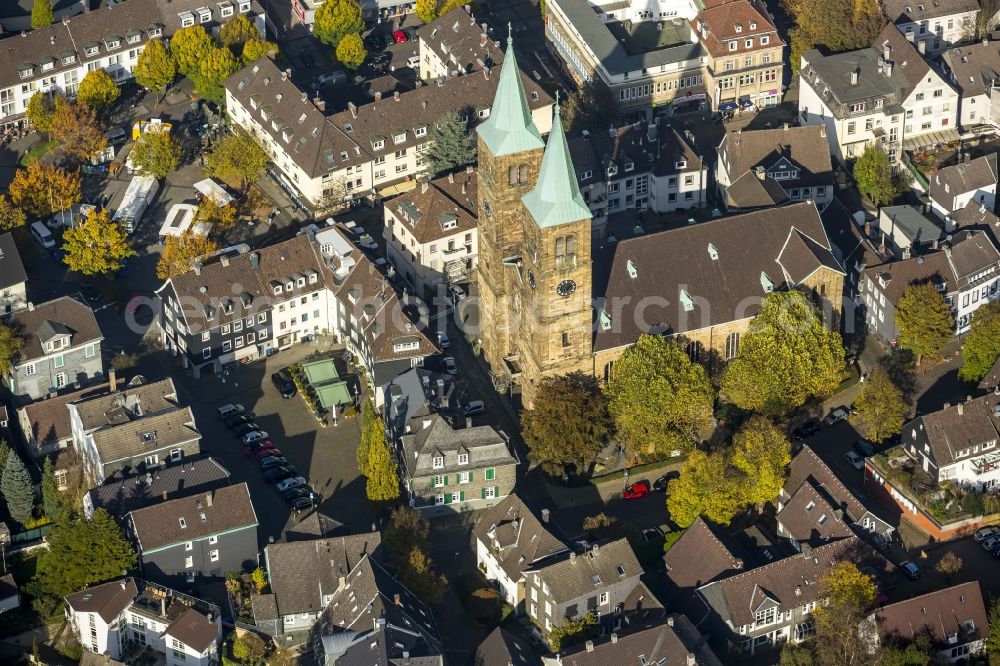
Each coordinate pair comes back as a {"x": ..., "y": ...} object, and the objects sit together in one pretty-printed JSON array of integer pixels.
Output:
[
  {"x": 224, "y": 260},
  {"x": 854, "y": 77},
  {"x": 868, "y": 228},
  {"x": 451, "y": 178},
  {"x": 197, "y": 268},
  {"x": 838, "y": 514},
  {"x": 395, "y": 600},
  {"x": 886, "y": 51},
  {"x": 822, "y": 131},
  {"x": 378, "y": 96},
  {"x": 482, "y": 40},
  {"x": 305, "y": 97},
  {"x": 572, "y": 556},
  {"x": 614, "y": 637},
  {"x": 354, "y": 110},
  {"x": 209, "y": 498},
  {"x": 320, "y": 103},
  {"x": 164, "y": 495},
  {"x": 341, "y": 582},
  {"x": 124, "y": 584},
  {"x": 961, "y": 408},
  {"x": 163, "y": 606},
  {"x": 468, "y": 421},
  {"x": 785, "y": 127},
  {"x": 922, "y": 46},
  {"x": 255, "y": 260},
  {"x": 284, "y": 75},
  {"x": 112, "y": 379},
  {"x": 31, "y": 306},
  {"x": 670, "y": 621},
  {"x": 888, "y": 68},
  {"x": 424, "y": 186},
  {"x": 760, "y": 173},
  {"x": 590, "y": 646},
  {"x": 486, "y": 72},
  {"x": 395, "y": 95},
  {"x": 691, "y": 659},
  {"x": 798, "y": 590}
]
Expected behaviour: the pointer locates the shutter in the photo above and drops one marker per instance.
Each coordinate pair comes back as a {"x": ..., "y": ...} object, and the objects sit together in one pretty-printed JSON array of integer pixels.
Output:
[
  {"x": 472, "y": 477},
  {"x": 483, "y": 492},
  {"x": 447, "y": 498},
  {"x": 461, "y": 495}
]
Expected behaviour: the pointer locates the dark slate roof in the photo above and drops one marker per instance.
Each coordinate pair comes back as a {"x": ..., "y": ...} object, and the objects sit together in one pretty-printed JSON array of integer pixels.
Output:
[
  {"x": 747, "y": 245},
  {"x": 954, "y": 611},
  {"x": 649, "y": 148},
  {"x": 457, "y": 39},
  {"x": 810, "y": 517},
  {"x": 194, "y": 630},
  {"x": 703, "y": 553},
  {"x": 11, "y": 268},
  {"x": 8, "y": 587},
  {"x": 571, "y": 575},
  {"x": 515, "y": 536},
  {"x": 502, "y": 648},
  {"x": 37, "y": 321},
  {"x": 675, "y": 642},
  {"x": 749, "y": 191},
  {"x": 159, "y": 525},
  {"x": 964, "y": 177},
  {"x": 301, "y": 573},
  {"x": 830, "y": 77},
  {"x": 914, "y": 225},
  {"x": 183, "y": 479},
  {"x": 803, "y": 147},
  {"x": 973, "y": 67},
  {"x": 786, "y": 583},
  {"x": 386, "y": 645},
  {"x": 485, "y": 446},
  {"x": 49, "y": 419},
  {"x": 106, "y": 599},
  {"x": 809, "y": 468},
  {"x": 423, "y": 209},
  {"x": 914, "y": 11},
  {"x": 904, "y": 56},
  {"x": 955, "y": 432},
  {"x": 975, "y": 216}
]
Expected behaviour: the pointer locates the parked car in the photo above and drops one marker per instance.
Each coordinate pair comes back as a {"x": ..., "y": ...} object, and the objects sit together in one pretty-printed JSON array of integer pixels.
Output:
[
  {"x": 280, "y": 473},
  {"x": 660, "y": 485},
  {"x": 272, "y": 461},
  {"x": 299, "y": 491},
  {"x": 231, "y": 409},
  {"x": 857, "y": 462},
  {"x": 637, "y": 490},
  {"x": 293, "y": 482},
  {"x": 443, "y": 341},
  {"x": 245, "y": 428},
  {"x": 990, "y": 541},
  {"x": 836, "y": 415},
  {"x": 236, "y": 421},
  {"x": 413, "y": 62},
  {"x": 806, "y": 429},
  {"x": 985, "y": 532},
  {"x": 282, "y": 381},
  {"x": 450, "y": 366},
  {"x": 399, "y": 37},
  {"x": 255, "y": 436},
  {"x": 90, "y": 292},
  {"x": 474, "y": 407},
  {"x": 267, "y": 453},
  {"x": 252, "y": 450},
  {"x": 302, "y": 503},
  {"x": 864, "y": 447},
  {"x": 910, "y": 569},
  {"x": 995, "y": 550}
]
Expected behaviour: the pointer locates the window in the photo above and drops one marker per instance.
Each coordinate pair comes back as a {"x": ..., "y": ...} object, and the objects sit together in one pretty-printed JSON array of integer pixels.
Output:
[
  {"x": 852, "y": 127},
  {"x": 204, "y": 15},
  {"x": 189, "y": 545},
  {"x": 490, "y": 474},
  {"x": 464, "y": 477},
  {"x": 213, "y": 555},
  {"x": 244, "y": 6},
  {"x": 765, "y": 40},
  {"x": 60, "y": 380},
  {"x": 61, "y": 474},
  {"x": 439, "y": 481},
  {"x": 732, "y": 45},
  {"x": 438, "y": 462},
  {"x": 489, "y": 492},
  {"x": 187, "y": 20},
  {"x": 226, "y": 9},
  {"x": 189, "y": 562},
  {"x": 227, "y": 346},
  {"x": 732, "y": 345},
  {"x": 463, "y": 458},
  {"x": 604, "y": 598},
  {"x": 857, "y": 108},
  {"x": 59, "y": 361},
  {"x": 29, "y": 369}
]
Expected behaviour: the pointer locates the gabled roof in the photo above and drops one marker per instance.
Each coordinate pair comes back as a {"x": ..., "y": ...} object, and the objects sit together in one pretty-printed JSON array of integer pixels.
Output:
[
  {"x": 186, "y": 519},
  {"x": 556, "y": 199},
  {"x": 106, "y": 599},
  {"x": 749, "y": 191},
  {"x": 675, "y": 642},
  {"x": 804, "y": 147},
  {"x": 460, "y": 42},
  {"x": 572, "y": 575},
  {"x": 515, "y": 536},
  {"x": 904, "y": 56},
  {"x": 962, "y": 178},
  {"x": 808, "y": 516},
  {"x": 502, "y": 648},
  {"x": 735, "y": 20},
  {"x": 188, "y": 477},
  {"x": 425, "y": 210},
  {"x": 11, "y": 267},
  {"x": 152, "y": 433},
  {"x": 807, "y": 468},
  {"x": 703, "y": 553},
  {"x": 955, "y": 432},
  {"x": 830, "y": 77},
  {"x": 956, "y": 611},
  {"x": 802, "y": 256},
  {"x": 49, "y": 419},
  {"x": 914, "y": 11},
  {"x": 485, "y": 447},
  {"x": 976, "y": 216},
  {"x": 128, "y": 403},
  {"x": 70, "y": 315},
  {"x": 194, "y": 630},
  {"x": 974, "y": 67}
]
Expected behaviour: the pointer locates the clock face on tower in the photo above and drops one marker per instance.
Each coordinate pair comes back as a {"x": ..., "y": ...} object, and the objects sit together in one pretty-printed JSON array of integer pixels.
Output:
[{"x": 565, "y": 288}]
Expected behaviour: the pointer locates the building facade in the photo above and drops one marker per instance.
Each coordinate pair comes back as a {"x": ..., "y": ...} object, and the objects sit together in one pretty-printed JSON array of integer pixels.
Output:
[
  {"x": 954, "y": 187},
  {"x": 933, "y": 27}
]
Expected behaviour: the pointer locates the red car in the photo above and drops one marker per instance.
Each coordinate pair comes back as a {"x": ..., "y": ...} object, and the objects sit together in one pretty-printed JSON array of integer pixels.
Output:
[
  {"x": 268, "y": 452},
  {"x": 252, "y": 450},
  {"x": 637, "y": 490},
  {"x": 399, "y": 37}
]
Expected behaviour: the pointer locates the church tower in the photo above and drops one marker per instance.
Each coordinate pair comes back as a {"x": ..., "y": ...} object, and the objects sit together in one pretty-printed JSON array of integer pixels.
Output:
[{"x": 510, "y": 152}]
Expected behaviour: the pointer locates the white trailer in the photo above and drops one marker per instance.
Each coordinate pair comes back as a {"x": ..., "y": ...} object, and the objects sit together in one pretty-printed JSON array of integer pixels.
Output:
[{"x": 138, "y": 195}]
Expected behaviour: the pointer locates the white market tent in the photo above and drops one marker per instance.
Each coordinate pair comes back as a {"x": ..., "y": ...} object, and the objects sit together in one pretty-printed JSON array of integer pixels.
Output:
[{"x": 211, "y": 189}]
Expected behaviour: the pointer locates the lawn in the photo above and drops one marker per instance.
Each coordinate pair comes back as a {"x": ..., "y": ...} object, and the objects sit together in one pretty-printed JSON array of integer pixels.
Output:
[{"x": 37, "y": 151}]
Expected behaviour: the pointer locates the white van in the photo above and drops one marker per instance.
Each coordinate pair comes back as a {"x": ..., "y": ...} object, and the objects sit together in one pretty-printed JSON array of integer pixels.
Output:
[{"x": 42, "y": 235}]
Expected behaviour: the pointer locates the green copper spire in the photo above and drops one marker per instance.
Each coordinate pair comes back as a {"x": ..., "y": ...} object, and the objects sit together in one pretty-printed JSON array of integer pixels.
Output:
[
  {"x": 556, "y": 198},
  {"x": 509, "y": 129}
]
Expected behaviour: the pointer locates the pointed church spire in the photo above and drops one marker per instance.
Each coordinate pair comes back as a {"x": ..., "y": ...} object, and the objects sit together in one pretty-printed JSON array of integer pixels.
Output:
[
  {"x": 556, "y": 198},
  {"x": 509, "y": 129}
]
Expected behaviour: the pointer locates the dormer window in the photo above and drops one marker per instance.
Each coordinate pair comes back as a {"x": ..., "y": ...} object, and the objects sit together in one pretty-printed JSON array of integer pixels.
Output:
[
  {"x": 244, "y": 6},
  {"x": 857, "y": 108},
  {"x": 378, "y": 144},
  {"x": 753, "y": 25},
  {"x": 484, "y": 113},
  {"x": 438, "y": 462},
  {"x": 69, "y": 58},
  {"x": 300, "y": 282},
  {"x": 289, "y": 286},
  {"x": 879, "y": 103},
  {"x": 48, "y": 64},
  {"x": 277, "y": 290},
  {"x": 204, "y": 14},
  {"x": 586, "y": 175},
  {"x": 113, "y": 42},
  {"x": 133, "y": 38},
  {"x": 612, "y": 170},
  {"x": 399, "y": 138},
  {"x": 680, "y": 164},
  {"x": 629, "y": 166},
  {"x": 421, "y": 131},
  {"x": 344, "y": 155},
  {"x": 765, "y": 40},
  {"x": 463, "y": 458},
  {"x": 187, "y": 19},
  {"x": 739, "y": 28},
  {"x": 182, "y": 522},
  {"x": 26, "y": 71},
  {"x": 92, "y": 49},
  {"x": 226, "y": 9},
  {"x": 155, "y": 31}
]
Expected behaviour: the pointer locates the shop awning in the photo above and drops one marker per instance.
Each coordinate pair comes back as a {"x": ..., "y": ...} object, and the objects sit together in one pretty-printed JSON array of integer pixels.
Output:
[
  {"x": 728, "y": 106},
  {"x": 746, "y": 102},
  {"x": 931, "y": 139}
]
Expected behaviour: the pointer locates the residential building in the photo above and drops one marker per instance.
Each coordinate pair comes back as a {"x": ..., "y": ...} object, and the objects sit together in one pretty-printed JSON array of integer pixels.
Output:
[
  {"x": 744, "y": 54},
  {"x": 412, "y": 396},
  {"x": 62, "y": 348},
  {"x": 304, "y": 576},
  {"x": 455, "y": 45},
  {"x": 972, "y": 70},
  {"x": 933, "y": 27},
  {"x": 510, "y": 540},
  {"x": 326, "y": 159},
  {"x": 447, "y": 470},
  {"x": 966, "y": 274},
  {"x": 138, "y": 428},
  {"x": 570, "y": 585},
  {"x": 975, "y": 217},
  {"x": 702, "y": 554},
  {"x": 13, "y": 278},
  {"x": 10, "y": 596},
  {"x": 953, "y": 187},
  {"x": 126, "y": 617},
  {"x": 502, "y": 648},
  {"x": 852, "y": 241},
  {"x": 958, "y": 443},
  {"x": 814, "y": 506},
  {"x": 905, "y": 231},
  {"x": 15, "y": 15},
  {"x": 375, "y": 614},
  {"x": 644, "y": 54},
  {"x": 638, "y": 167},
  {"x": 772, "y": 604},
  {"x": 315, "y": 283},
  {"x": 768, "y": 167},
  {"x": 191, "y": 476},
  {"x": 430, "y": 232},
  {"x": 886, "y": 95},
  {"x": 46, "y": 424},
  {"x": 674, "y": 642},
  {"x": 209, "y": 534},
  {"x": 373, "y": 11},
  {"x": 954, "y": 619}
]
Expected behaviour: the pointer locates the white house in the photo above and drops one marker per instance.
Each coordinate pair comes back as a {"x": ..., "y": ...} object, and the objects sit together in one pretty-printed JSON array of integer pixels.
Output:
[
  {"x": 933, "y": 26},
  {"x": 953, "y": 187},
  {"x": 973, "y": 70}
]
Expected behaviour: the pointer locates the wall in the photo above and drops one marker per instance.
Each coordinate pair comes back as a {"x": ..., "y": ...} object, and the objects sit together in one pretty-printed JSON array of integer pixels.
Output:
[
  {"x": 77, "y": 367},
  {"x": 940, "y": 33},
  {"x": 512, "y": 591},
  {"x": 930, "y": 114},
  {"x": 423, "y": 490},
  {"x": 167, "y": 566}
]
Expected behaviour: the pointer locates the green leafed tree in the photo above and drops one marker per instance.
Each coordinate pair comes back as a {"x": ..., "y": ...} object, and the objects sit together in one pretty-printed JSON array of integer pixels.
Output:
[
  {"x": 406, "y": 528},
  {"x": 11, "y": 216},
  {"x": 351, "y": 51},
  {"x": 98, "y": 91},
  {"x": 155, "y": 69},
  {"x": 992, "y": 644},
  {"x": 96, "y": 246},
  {"x": 236, "y": 32},
  {"x": 849, "y": 593},
  {"x": 10, "y": 345},
  {"x": 426, "y": 10},
  {"x": 706, "y": 487},
  {"x": 659, "y": 400},
  {"x": 255, "y": 49},
  {"x": 43, "y": 189},
  {"x": 572, "y": 631},
  {"x": 42, "y": 14},
  {"x": 569, "y": 424},
  {"x": 236, "y": 156},
  {"x": 16, "y": 488},
  {"x": 981, "y": 348},
  {"x": 873, "y": 174},
  {"x": 83, "y": 553},
  {"x": 881, "y": 407},
  {"x": 451, "y": 144},
  {"x": 40, "y": 110},
  {"x": 189, "y": 47},
  {"x": 370, "y": 421},
  {"x": 217, "y": 66},
  {"x": 156, "y": 153},
  {"x": 762, "y": 453},
  {"x": 249, "y": 648},
  {"x": 419, "y": 576},
  {"x": 335, "y": 19},
  {"x": 382, "y": 480},
  {"x": 924, "y": 320},
  {"x": 786, "y": 357},
  {"x": 4, "y": 452},
  {"x": 833, "y": 25},
  {"x": 50, "y": 491}
]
